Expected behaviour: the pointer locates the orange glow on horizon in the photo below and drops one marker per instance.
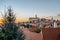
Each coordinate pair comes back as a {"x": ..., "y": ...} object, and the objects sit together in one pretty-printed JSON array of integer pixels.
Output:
[
  {"x": 1, "y": 21},
  {"x": 17, "y": 20},
  {"x": 22, "y": 20}
]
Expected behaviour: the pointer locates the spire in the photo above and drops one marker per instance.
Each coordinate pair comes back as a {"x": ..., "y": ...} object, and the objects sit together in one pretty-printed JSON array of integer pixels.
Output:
[{"x": 35, "y": 15}]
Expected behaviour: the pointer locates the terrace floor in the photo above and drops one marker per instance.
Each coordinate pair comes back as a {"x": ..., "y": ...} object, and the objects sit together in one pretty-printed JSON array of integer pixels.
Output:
[{"x": 31, "y": 35}]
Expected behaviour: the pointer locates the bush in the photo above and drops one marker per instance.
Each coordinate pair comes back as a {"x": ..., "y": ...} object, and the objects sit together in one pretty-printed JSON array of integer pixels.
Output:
[{"x": 37, "y": 30}]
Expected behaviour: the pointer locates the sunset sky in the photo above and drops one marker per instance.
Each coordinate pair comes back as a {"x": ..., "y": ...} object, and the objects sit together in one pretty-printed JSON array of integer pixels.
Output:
[{"x": 28, "y": 8}]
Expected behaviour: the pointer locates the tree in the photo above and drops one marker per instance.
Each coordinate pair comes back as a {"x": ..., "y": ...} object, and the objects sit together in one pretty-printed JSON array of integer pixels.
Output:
[{"x": 11, "y": 30}]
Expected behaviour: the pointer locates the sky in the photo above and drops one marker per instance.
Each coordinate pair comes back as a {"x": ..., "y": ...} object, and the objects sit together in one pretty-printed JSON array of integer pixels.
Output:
[{"x": 28, "y": 8}]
